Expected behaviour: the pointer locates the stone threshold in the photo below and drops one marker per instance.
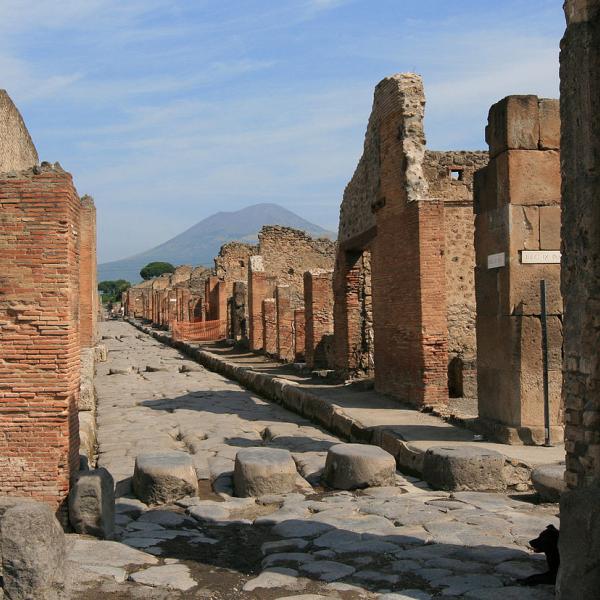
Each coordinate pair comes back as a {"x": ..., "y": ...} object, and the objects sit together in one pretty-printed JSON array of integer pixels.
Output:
[{"x": 367, "y": 417}]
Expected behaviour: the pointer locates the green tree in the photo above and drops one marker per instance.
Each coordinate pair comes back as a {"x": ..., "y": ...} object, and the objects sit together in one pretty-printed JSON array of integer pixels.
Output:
[
  {"x": 111, "y": 290},
  {"x": 154, "y": 269}
]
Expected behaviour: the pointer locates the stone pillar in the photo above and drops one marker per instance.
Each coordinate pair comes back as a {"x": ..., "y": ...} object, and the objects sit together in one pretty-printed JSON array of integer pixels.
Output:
[
  {"x": 579, "y": 543},
  {"x": 239, "y": 319},
  {"x": 222, "y": 294},
  {"x": 285, "y": 323},
  {"x": 269, "y": 333},
  {"x": 210, "y": 294},
  {"x": 88, "y": 284},
  {"x": 39, "y": 338},
  {"x": 171, "y": 312},
  {"x": 517, "y": 243},
  {"x": 299, "y": 334},
  {"x": 318, "y": 303},
  {"x": 257, "y": 291}
]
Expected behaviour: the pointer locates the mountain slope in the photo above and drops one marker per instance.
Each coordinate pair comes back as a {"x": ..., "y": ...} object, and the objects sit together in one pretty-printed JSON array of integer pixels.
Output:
[{"x": 199, "y": 244}]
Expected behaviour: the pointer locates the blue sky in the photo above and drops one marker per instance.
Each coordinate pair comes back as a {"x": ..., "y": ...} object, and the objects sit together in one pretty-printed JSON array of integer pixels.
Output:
[{"x": 169, "y": 110}]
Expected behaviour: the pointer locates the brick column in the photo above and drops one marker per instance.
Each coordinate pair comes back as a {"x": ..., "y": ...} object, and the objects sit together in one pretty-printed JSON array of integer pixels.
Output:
[
  {"x": 239, "y": 318},
  {"x": 39, "y": 334},
  {"x": 269, "y": 319},
  {"x": 579, "y": 543},
  {"x": 299, "y": 334},
  {"x": 257, "y": 291},
  {"x": 285, "y": 323},
  {"x": 318, "y": 304},
  {"x": 517, "y": 205},
  {"x": 88, "y": 285}
]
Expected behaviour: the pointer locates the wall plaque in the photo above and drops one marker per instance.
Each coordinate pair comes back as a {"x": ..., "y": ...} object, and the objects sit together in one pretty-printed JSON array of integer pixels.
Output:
[
  {"x": 540, "y": 257},
  {"x": 496, "y": 261}
]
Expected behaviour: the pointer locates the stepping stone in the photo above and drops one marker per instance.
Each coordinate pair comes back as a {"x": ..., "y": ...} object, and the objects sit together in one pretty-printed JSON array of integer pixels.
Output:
[
  {"x": 549, "y": 481},
  {"x": 173, "y": 577},
  {"x": 260, "y": 471},
  {"x": 354, "y": 466},
  {"x": 457, "y": 468},
  {"x": 163, "y": 477}
]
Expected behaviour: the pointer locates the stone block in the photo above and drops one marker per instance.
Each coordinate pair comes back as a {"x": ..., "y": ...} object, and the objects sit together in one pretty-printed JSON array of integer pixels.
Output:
[
  {"x": 261, "y": 471},
  {"x": 513, "y": 123},
  {"x": 485, "y": 186},
  {"x": 524, "y": 296},
  {"x": 530, "y": 178},
  {"x": 92, "y": 504},
  {"x": 33, "y": 550},
  {"x": 549, "y": 481},
  {"x": 355, "y": 466},
  {"x": 162, "y": 477},
  {"x": 550, "y": 220},
  {"x": 524, "y": 228},
  {"x": 101, "y": 353},
  {"x": 458, "y": 468},
  {"x": 549, "y": 124},
  {"x": 579, "y": 544}
]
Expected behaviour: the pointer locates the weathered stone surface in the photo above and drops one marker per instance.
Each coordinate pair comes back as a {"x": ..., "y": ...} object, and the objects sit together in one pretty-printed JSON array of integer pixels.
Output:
[
  {"x": 327, "y": 570},
  {"x": 162, "y": 477},
  {"x": 101, "y": 353},
  {"x": 275, "y": 577},
  {"x": 92, "y": 504},
  {"x": 352, "y": 466},
  {"x": 33, "y": 551},
  {"x": 105, "y": 553},
  {"x": 17, "y": 151},
  {"x": 172, "y": 577},
  {"x": 464, "y": 468},
  {"x": 260, "y": 471},
  {"x": 549, "y": 481}
]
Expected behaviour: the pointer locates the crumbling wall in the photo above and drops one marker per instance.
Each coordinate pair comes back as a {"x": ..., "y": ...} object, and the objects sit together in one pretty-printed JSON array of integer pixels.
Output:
[
  {"x": 318, "y": 303},
  {"x": 88, "y": 297},
  {"x": 287, "y": 253},
  {"x": 17, "y": 151},
  {"x": 450, "y": 179},
  {"x": 40, "y": 345},
  {"x": 232, "y": 262},
  {"x": 579, "y": 543}
]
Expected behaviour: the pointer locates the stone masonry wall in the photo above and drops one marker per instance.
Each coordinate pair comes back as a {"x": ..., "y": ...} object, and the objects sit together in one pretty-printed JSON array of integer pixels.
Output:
[
  {"x": 287, "y": 253},
  {"x": 579, "y": 543},
  {"x": 40, "y": 345},
  {"x": 232, "y": 262},
  {"x": 450, "y": 179},
  {"x": 17, "y": 151},
  {"x": 318, "y": 303}
]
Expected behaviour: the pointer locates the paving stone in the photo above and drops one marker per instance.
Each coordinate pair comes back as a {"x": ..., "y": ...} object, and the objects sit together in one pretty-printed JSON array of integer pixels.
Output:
[
  {"x": 173, "y": 577},
  {"x": 433, "y": 575},
  {"x": 459, "y": 584},
  {"x": 209, "y": 512},
  {"x": 284, "y": 557},
  {"x": 275, "y": 577},
  {"x": 260, "y": 471},
  {"x": 165, "y": 518},
  {"x": 300, "y": 529},
  {"x": 354, "y": 466},
  {"x": 520, "y": 569},
  {"x": 405, "y": 595},
  {"x": 544, "y": 592},
  {"x": 455, "y": 564},
  {"x": 94, "y": 571},
  {"x": 327, "y": 570},
  {"x": 105, "y": 553},
  {"x": 283, "y": 545},
  {"x": 376, "y": 577},
  {"x": 162, "y": 477}
]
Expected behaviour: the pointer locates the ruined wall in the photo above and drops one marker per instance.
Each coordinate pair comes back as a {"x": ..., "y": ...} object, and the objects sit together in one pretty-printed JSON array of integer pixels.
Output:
[
  {"x": 181, "y": 275},
  {"x": 285, "y": 323},
  {"x": 450, "y": 179},
  {"x": 287, "y": 253},
  {"x": 40, "y": 345},
  {"x": 579, "y": 543},
  {"x": 17, "y": 151},
  {"x": 518, "y": 211},
  {"x": 387, "y": 210},
  {"x": 88, "y": 286},
  {"x": 318, "y": 303},
  {"x": 232, "y": 262}
]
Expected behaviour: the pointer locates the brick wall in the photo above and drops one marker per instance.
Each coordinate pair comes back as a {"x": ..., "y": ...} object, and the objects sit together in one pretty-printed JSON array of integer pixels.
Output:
[
  {"x": 318, "y": 303},
  {"x": 285, "y": 323},
  {"x": 88, "y": 286},
  {"x": 269, "y": 333},
  {"x": 299, "y": 334},
  {"x": 39, "y": 313},
  {"x": 257, "y": 292},
  {"x": 517, "y": 203}
]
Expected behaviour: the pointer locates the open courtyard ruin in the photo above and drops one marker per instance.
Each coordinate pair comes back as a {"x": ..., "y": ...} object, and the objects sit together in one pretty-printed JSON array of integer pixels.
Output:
[{"x": 393, "y": 415}]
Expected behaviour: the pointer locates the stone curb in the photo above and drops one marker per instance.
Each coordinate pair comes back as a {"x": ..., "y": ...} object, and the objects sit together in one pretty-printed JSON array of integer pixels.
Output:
[{"x": 290, "y": 395}]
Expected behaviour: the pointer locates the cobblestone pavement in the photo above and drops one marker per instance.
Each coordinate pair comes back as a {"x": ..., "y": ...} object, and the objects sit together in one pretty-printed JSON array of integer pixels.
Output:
[{"x": 392, "y": 543}]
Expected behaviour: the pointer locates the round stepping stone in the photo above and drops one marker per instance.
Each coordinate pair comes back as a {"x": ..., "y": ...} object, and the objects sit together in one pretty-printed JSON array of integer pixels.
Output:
[
  {"x": 549, "y": 481},
  {"x": 163, "y": 477},
  {"x": 354, "y": 466},
  {"x": 260, "y": 471},
  {"x": 457, "y": 468}
]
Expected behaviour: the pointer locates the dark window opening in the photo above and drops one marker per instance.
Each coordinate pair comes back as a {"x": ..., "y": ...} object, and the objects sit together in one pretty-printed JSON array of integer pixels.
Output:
[{"x": 455, "y": 378}]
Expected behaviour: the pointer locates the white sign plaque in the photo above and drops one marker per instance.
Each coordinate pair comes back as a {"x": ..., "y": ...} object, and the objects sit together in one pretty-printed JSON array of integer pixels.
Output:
[
  {"x": 496, "y": 261},
  {"x": 540, "y": 257}
]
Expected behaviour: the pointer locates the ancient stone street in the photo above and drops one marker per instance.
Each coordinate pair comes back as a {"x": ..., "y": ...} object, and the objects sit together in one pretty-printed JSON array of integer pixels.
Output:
[{"x": 392, "y": 542}]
